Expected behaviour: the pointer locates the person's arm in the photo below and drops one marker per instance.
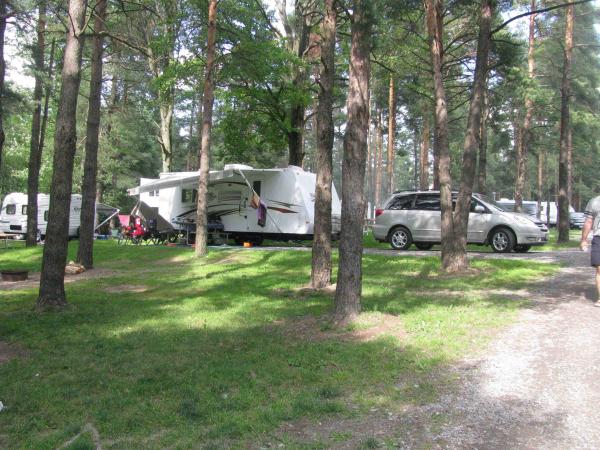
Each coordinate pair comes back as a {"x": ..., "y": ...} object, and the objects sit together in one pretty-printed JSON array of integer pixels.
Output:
[{"x": 587, "y": 227}]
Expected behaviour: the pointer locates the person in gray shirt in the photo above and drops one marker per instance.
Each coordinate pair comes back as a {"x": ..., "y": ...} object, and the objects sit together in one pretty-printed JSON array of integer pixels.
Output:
[{"x": 592, "y": 223}]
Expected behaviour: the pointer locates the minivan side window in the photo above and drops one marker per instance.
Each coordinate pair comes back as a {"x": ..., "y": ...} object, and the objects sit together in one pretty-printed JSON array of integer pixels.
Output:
[
  {"x": 11, "y": 209},
  {"x": 401, "y": 202},
  {"x": 428, "y": 202}
]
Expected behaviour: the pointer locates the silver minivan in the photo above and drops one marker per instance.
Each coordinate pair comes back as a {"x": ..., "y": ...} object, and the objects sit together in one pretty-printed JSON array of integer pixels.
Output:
[{"x": 415, "y": 217}]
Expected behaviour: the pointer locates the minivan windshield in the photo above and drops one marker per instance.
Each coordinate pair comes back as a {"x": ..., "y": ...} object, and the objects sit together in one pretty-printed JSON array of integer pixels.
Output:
[{"x": 489, "y": 202}]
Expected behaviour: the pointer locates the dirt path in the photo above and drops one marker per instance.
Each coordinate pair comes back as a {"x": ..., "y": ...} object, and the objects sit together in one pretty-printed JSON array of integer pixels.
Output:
[{"x": 537, "y": 386}]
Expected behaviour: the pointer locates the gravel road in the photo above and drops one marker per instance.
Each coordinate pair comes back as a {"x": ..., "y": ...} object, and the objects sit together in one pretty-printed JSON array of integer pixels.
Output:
[{"x": 538, "y": 384}]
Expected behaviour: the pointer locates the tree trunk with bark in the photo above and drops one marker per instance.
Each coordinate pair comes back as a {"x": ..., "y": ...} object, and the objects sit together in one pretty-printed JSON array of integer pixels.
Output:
[
  {"x": 3, "y": 18},
  {"x": 85, "y": 252},
  {"x": 379, "y": 162},
  {"x": 518, "y": 149},
  {"x": 570, "y": 165},
  {"x": 424, "y": 154},
  {"x": 459, "y": 260},
  {"x": 540, "y": 183},
  {"x": 52, "y": 289},
  {"x": 35, "y": 155},
  {"x": 205, "y": 141},
  {"x": 47, "y": 96},
  {"x": 563, "y": 169},
  {"x": 526, "y": 133},
  {"x": 321, "y": 250},
  {"x": 482, "y": 165},
  {"x": 391, "y": 135},
  {"x": 348, "y": 289},
  {"x": 434, "y": 12}
]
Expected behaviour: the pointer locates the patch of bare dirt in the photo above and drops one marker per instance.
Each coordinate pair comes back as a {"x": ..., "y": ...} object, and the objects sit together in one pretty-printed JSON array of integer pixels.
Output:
[
  {"x": 368, "y": 327},
  {"x": 126, "y": 288},
  {"x": 11, "y": 351},
  {"x": 33, "y": 281}
]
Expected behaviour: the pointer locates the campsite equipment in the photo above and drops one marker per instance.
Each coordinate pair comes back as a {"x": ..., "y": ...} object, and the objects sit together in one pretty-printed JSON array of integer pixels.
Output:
[
  {"x": 247, "y": 204},
  {"x": 13, "y": 217}
]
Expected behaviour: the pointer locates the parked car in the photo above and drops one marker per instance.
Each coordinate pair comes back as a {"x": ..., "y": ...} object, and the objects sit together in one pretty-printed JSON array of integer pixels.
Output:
[
  {"x": 415, "y": 217},
  {"x": 576, "y": 220}
]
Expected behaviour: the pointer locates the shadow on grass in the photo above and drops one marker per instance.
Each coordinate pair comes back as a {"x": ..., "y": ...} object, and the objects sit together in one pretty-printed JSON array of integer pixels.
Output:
[{"x": 202, "y": 355}]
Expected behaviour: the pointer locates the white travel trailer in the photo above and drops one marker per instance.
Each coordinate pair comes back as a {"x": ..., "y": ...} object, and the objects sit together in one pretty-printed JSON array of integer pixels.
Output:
[
  {"x": 13, "y": 216},
  {"x": 246, "y": 203},
  {"x": 531, "y": 208}
]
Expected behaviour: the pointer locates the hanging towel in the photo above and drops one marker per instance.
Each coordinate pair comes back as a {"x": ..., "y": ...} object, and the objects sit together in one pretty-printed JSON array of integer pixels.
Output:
[{"x": 261, "y": 213}]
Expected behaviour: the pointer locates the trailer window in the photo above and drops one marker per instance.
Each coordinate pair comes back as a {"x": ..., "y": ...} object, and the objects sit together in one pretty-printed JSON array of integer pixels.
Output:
[
  {"x": 230, "y": 196},
  {"x": 189, "y": 195},
  {"x": 153, "y": 193},
  {"x": 24, "y": 210},
  {"x": 256, "y": 187},
  {"x": 46, "y": 216},
  {"x": 11, "y": 209}
]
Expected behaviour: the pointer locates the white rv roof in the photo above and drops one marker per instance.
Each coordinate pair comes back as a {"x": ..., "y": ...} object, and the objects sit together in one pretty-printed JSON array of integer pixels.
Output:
[{"x": 173, "y": 179}]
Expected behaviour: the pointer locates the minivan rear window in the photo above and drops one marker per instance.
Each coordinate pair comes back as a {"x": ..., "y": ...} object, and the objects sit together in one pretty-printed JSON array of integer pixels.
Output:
[
  {"x": 428, "y": 202},
  {"x": 11, "y": 209},
  {"x": 401, "y": 202}
]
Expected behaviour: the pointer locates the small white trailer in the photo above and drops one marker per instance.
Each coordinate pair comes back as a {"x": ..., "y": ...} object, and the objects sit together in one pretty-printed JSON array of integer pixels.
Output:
[
  {"x": 13, "y": 216},
  {"x": 246, "y": 203}
]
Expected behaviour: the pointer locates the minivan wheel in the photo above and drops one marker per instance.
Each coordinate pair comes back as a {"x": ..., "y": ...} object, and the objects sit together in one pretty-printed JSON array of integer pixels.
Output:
[
  {"x": 522, "y": 248},
  {"x": 400, "y": 238},
  {"x": 503, "y": 240},
  {"x": 424, "y": 246}
]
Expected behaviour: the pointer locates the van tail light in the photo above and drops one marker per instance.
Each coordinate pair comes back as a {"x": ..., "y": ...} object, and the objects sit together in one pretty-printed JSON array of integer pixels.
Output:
[{"x": 378, "y": 212}]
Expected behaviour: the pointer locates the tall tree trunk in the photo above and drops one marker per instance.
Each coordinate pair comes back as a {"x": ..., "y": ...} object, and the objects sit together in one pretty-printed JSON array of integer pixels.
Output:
[
  {"x": 570, "y": 165},
  {"x": 434, "y": 11},
  {"x": 85, "y": 253},
  {"x": 35, "y": 156},
  {"x": 379, "y": 163},
  {"x": 563, "y": 170},
  {"x": 391, "y": 135},
  {"x": 472, "y": 139},
  {"x": 321, "y": 250},
  {"x": 416, "y": 162},
  {"x": 348, "y": 289},
  {"x": 526, "y": 134},
  {"x": 192, "y": 155},
  {"x": 436, "y": 161},
  {"x": 482, "y": 166},
  {"x": 3, "y": 17},
  {"x": 298, "y": 34},
  {"x": 519, "y": 160},
  {"x": 207, "y": 114},
  {"x": 52, "y": 288},
  {"x": 370, "y": 172},
  {"x": 296, "y": 136},
  {"x": 424, "y": 153},
  {"x": 47, "y": 96},
  {"x": 540, "y": 183},
  {"x": 166, "y": 141}
]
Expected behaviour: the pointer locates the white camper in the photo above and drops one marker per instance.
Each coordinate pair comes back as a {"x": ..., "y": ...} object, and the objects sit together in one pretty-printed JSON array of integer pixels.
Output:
[
  {"x": 247, "y": 203},
  {"x": 13, "y": 216}
]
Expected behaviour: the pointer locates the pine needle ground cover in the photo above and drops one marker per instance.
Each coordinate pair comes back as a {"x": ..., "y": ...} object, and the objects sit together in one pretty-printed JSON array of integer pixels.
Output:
[{"x": 161, "y": 350}]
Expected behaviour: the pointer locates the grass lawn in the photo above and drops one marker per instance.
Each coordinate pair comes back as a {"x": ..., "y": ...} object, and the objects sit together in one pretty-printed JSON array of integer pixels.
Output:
[{"x": 171, "y": 352}]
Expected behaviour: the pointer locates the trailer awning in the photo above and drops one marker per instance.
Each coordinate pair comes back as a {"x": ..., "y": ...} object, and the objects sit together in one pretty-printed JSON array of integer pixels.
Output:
[
  {"x": 106, "y": 210},
  {"x": 179, "y": 180}
]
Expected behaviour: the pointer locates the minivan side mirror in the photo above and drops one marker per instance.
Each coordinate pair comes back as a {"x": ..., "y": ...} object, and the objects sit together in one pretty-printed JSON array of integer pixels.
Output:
[{"x": 479, "y": 209}]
